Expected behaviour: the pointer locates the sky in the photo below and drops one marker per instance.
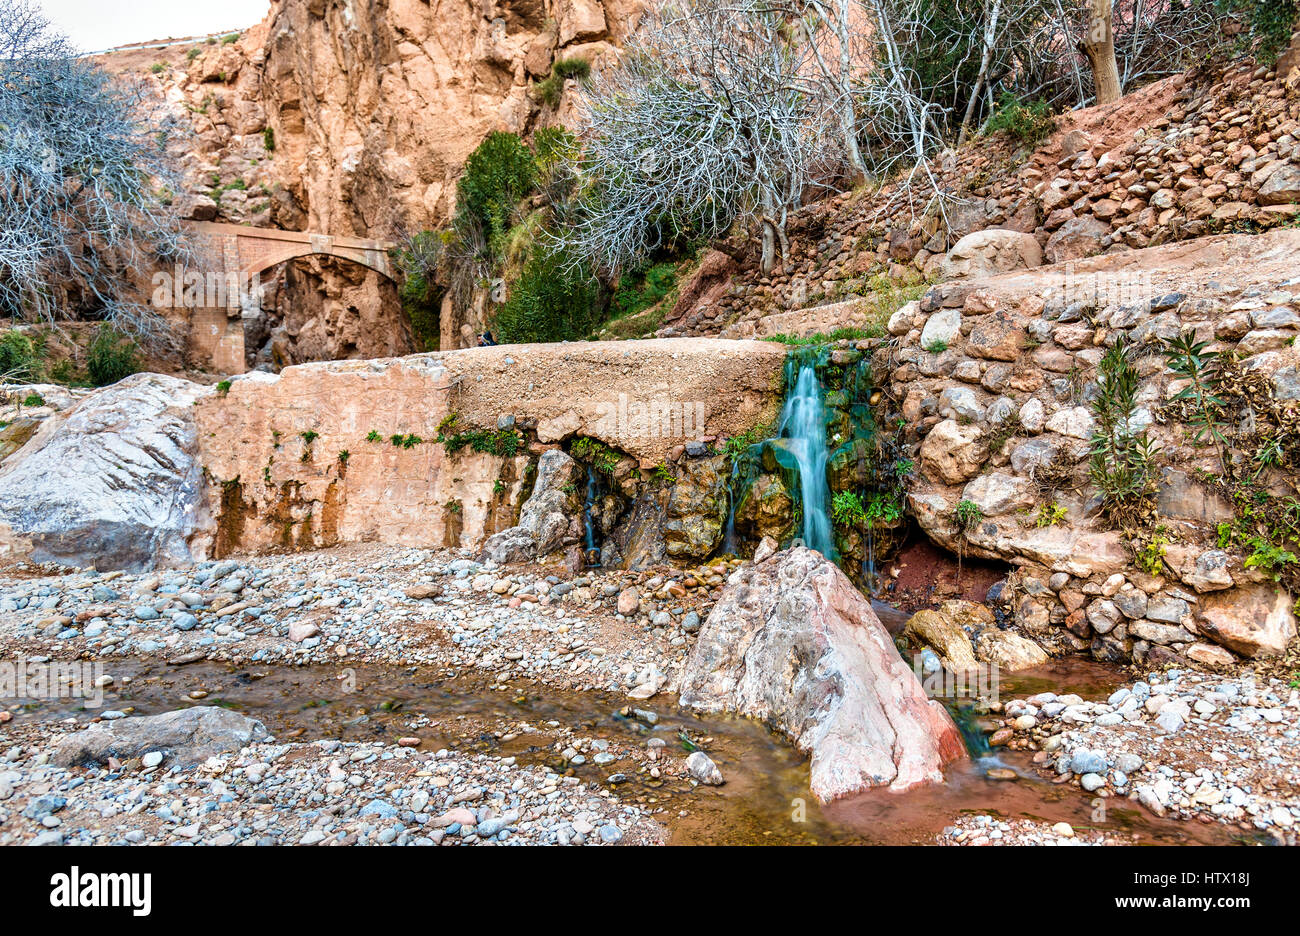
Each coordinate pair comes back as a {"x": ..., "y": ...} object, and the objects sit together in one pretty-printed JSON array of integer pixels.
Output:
[{"x": 94, "y": 25}]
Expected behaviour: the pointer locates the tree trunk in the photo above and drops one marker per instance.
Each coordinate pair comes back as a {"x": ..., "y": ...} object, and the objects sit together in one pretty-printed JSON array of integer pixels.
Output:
[
  {"x": 990, "y": 37},
  {"x": 1099, "y": 46}
]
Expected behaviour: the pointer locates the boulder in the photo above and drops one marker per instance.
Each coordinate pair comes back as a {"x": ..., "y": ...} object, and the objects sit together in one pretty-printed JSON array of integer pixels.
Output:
[
  {"x": 697, "y": 508},
  {"x": 186, "y": 736},
  {"x": 550, "y": 519},
  {"x": 1009, "y": 651},
  {"x": 793, "y": 643},
  {"x": 115, "y": 484},
  {"x": 1076, "y": 239},
  {"x": 985, "y": 253},
  {"x": 952, "y": 453},
  {"x": 1255, "y": 620},
  {"x": 945, "y": 637},
  {"x": 1282, "y": 187}
]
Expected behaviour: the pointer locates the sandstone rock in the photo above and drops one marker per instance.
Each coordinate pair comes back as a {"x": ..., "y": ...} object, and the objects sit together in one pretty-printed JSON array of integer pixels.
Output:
[
  {"x": 792, "y": 642},
  {"x": 549, "y": 520},
  {"x": 629, "y": 602},
  {"x": 1008, "y": 650},
  {"x": 952, "y": 453},
  {"x": 1255, "y": 620},
  {"x": 188, "y": 737},
  {"x": 997, "y": 337},
  {"x": 766, "y": 549},
  {"x": 941, "y": 329},
  {"x": 997, "y": 493},
  {"x": 1076, "y": 239},
  {"x": 116, "y": 484},
  {"x": 1282, "y": 187},
  {"x": 985, "y": 253},
  {"x": 944, "y": 636}
]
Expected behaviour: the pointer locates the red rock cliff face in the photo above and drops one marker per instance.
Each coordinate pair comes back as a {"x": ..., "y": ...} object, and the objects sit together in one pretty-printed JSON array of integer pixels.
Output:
[{"x": 356, "y": 117}]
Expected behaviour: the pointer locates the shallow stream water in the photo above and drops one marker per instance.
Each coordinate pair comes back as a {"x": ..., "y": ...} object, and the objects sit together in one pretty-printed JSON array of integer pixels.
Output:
[{"x": 765, "y": 799}]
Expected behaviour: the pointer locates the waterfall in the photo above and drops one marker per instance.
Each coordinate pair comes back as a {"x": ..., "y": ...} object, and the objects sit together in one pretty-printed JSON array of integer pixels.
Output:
[
  {"x": 803, "y": 428},
  {"x": 592, "y": 548}
]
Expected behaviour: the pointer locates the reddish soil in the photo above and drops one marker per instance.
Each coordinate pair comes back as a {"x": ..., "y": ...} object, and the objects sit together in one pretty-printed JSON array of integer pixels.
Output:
[{"x": 927, "y": 576}]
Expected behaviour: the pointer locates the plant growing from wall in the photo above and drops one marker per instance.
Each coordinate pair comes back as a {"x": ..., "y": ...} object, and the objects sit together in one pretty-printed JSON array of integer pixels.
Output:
[
  {"x": 1191, "y": 360},
  {"x": 1122, "y": 463}
]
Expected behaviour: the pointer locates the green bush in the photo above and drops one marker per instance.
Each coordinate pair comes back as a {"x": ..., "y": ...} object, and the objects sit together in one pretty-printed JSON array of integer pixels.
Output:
[
  {"x": 420, "y": 292},
  {"x": 19, "y": 360},
  {"x": 1028, "y": 123},
  {"x": 110, "y": 357},
  {"x": 497, "y": 176},
  {"x": 553, "y": 300},
  {"x": 1268, "y": 24},
  {"x": 549, "y": 89},
  {"x": 640, "y": 289}
]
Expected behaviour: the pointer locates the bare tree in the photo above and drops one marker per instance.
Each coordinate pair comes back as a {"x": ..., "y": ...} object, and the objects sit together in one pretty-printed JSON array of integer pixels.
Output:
[
  {"x": 83, "y": 184},
  {"x": 716, "y": 114}
]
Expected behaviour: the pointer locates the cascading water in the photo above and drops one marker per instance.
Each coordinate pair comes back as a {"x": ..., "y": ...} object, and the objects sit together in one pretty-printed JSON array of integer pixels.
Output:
[
  {"x": 803, "y": 430},
  {"x": 592, "y": 547}
]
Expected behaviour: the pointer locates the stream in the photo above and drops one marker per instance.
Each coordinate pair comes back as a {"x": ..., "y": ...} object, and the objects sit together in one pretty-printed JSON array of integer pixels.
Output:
[{"x": 764, "y": 801}]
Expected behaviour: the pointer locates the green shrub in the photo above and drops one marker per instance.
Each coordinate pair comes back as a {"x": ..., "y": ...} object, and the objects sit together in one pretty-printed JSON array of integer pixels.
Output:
[
  {"x": 1028, "y": 123},
  {"x": 1268, "y": 24},
  {"x": 19, "y": 359},
  {"x": 553, "y": 300},
  {"x": 268, "y": 139},
  {"x": 641, "y": 289},
  {"x": 110, "y": 357},
  {"x": 1123, "y": 461},
  {"x": 420, "y": 293},
  {"x": 549, "y": 89},
  {"x": 497, "y": 176}
]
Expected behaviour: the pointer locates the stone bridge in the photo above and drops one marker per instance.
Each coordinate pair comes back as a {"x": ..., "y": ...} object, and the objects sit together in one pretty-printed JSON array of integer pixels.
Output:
[
  {"x": 216, "y": 335},
  {"x": 251, "y": 250}
]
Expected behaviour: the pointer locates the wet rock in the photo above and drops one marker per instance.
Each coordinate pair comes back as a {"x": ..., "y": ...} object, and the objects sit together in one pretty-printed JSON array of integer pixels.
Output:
[
  {"x": 848, "y": 700},
  {"x": 1008, "y": 650},
  {"x": 703, "y": 770},
  {"x": 188, "y": 736},
  {"x": 697, "y": 508},
  {"x": 549, "y": 520},
  {"x": 945, "y": 636}
]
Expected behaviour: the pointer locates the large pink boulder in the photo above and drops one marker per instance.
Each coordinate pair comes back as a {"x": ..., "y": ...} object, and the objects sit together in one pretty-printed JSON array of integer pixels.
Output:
[{"x": 793, "y": 643}]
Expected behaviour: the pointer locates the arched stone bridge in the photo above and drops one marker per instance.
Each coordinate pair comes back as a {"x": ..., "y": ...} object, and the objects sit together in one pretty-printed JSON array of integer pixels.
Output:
[
  {"x": 216, "y": 332},
  {"x": 250, "y": 250}
]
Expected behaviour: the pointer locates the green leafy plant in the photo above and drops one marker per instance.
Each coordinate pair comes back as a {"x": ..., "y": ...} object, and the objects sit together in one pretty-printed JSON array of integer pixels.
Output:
[
  {"x": 592, "y": 452},
  {"x": 1149, "y": 553},
  {"x": 344, "y": 455},
  {"x": 1050, "y": 515},
  {"x": 19, "y": 356},
  {"x": 937, "y": 346},
  {"x": 1122, "y": 462},
  {"x": 968, "y": 515},
  {"x": 110, "y": 357},
  {"x": 847, "y": 509},
  {"x": 223, "y": 387},
  {"x": 1027, "y": 122},
  {"x": 1190, "y": 359}
]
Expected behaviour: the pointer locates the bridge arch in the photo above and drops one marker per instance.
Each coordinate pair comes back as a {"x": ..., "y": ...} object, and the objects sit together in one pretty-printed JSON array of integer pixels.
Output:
[{"x": 244, "y": 249}]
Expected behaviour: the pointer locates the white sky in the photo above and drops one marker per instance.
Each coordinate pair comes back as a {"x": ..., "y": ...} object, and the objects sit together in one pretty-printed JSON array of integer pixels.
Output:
[{"x": 94, "y": 25}]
